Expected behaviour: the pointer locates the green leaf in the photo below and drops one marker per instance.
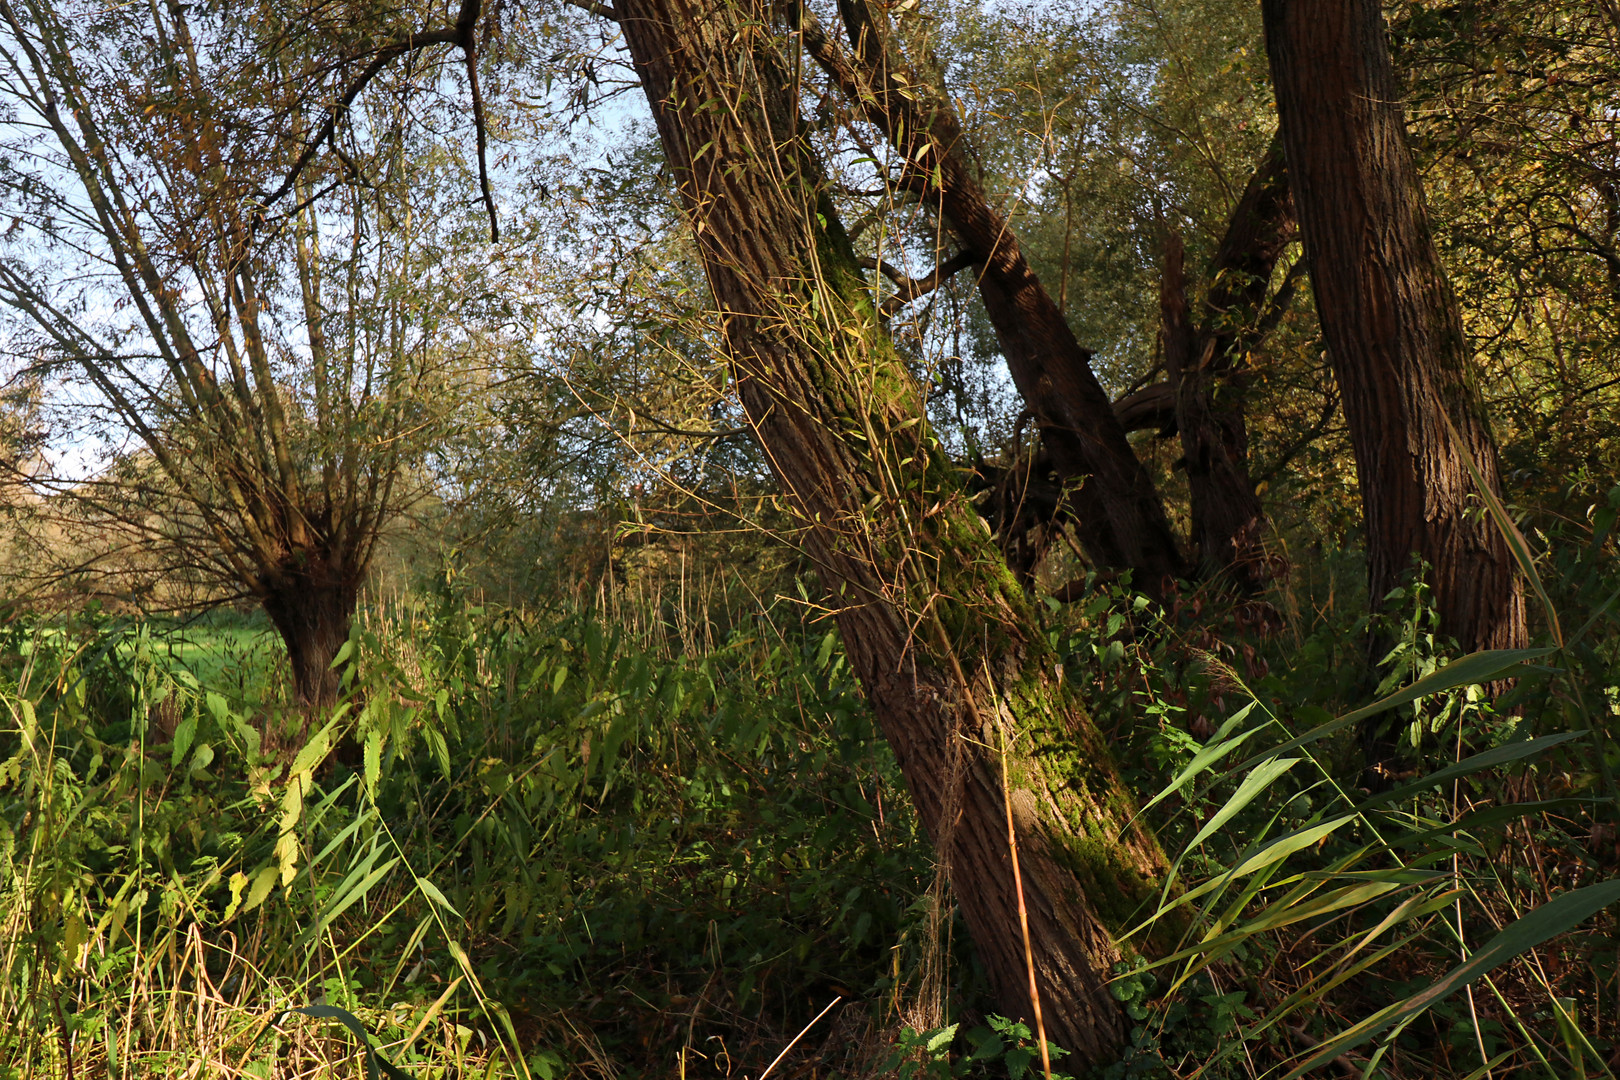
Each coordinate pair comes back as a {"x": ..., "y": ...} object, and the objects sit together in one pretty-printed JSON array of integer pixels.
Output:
[
  {"x": 1274, "y": 852},
  {"x": 1218, "y": 747},
  {"x": 374, "y": 1060},
  {"x": 314, "y": 752},
  {"x": 373, "y": 760},
  {"x": 1474, "y": 668},
  {"x": 1253, "y": 785},
  {"x": 351, "y": 891},
  {"x": 184, "y": 733},
  {"x": 263, "y": 882},
  {"x": 431, "y": 891},
  {"x": 1479, "y": 819},
  {"x": 1556, "y": 916}
]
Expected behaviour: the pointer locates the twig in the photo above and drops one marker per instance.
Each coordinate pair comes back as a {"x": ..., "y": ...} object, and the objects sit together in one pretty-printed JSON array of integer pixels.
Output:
[
  {"x": 907, "y": 288},
  {"x": 802, "y": 1032},
  {"x": 606, "y": 11},
  {"x": 1023, "y": 913}
]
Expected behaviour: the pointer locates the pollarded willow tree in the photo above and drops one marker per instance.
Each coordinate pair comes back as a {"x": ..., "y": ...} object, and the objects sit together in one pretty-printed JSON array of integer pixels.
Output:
[{"x": 264, "y": 376}]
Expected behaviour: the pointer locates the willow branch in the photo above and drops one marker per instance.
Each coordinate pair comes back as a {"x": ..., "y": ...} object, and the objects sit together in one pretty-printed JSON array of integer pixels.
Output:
[
  {"x": 907, "y": 288},
  {"x": 471, "y": 52},
  {"x": 606, "y": 11},
  {"x": 460, "y": 35}
]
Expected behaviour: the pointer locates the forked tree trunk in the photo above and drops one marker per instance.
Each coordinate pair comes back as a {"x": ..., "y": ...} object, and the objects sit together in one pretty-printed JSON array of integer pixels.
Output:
[
  {"x": 938, "y": 630},
  {"x": 1389, "y": 318},
  {"x": 1206, "y": 364},
  {"x": 311, "y": 603},
  {"x": 1120, "y": 515}
]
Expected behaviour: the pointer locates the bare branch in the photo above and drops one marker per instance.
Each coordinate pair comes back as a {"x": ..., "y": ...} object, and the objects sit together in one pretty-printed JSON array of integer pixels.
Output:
[
  {"x": 469, "y": 48},
  {"x": 910, "y": 288}
]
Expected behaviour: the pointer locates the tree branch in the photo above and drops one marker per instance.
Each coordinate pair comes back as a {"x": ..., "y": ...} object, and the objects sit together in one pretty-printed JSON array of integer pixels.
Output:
[
  {"x": 398, "y": 47},
  {"x": 908, "y": 289},
  {"x": 1293, "y": 449},
  {"x": 606, "y": 11},
  {"x": 469, "y": 48},
  {"x": 1153, "y": 406},
  {"x": 460, "y": 35},
  {"x": 1279, "y": 304}
]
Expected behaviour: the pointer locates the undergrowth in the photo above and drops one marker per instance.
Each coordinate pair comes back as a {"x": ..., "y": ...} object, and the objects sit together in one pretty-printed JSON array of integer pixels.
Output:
[
  {"x": 522, "y": 847},
  {"x": 535, "y": 846}
]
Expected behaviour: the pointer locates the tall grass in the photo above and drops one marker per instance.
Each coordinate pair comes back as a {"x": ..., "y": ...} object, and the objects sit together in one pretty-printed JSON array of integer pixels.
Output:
[
  {"x": 627, "y": 839},
  {"x": 1454, "y": 918},
  {"x": 522, "y": 847}
]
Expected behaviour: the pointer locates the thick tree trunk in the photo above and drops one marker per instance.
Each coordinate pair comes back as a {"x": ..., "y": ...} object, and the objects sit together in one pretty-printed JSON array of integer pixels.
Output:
[
  {"x": 1121, "y": 519},
  {"x": 311, "y": 604},
  {"x": 938, "y": 630},
  {"x": 1389, "y": 318},
  {"x": 1207, "y": 365}
]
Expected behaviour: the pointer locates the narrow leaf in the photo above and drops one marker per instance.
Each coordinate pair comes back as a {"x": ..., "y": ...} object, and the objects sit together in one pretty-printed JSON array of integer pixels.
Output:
[
  {"x": 431, "y": 891},
  {"x": 1253, "y": 785},
  {"x": 1218, "y": 747},
  {"x": 374, "y": 1060},
  {"x": 354, "y": 895},
  {"x": 1500, "y": 755},
  {"x": 1560, "y": 914}
]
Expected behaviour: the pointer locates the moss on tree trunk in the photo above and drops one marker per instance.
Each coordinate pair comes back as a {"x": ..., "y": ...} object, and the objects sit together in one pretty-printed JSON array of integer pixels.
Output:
[{"x": 939, "y": 631}]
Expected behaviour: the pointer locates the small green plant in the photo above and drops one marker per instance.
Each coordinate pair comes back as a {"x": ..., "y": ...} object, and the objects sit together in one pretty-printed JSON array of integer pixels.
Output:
[
  {"x": 997, "y": 1048},
  {"x": 1172, "y": 1033}
]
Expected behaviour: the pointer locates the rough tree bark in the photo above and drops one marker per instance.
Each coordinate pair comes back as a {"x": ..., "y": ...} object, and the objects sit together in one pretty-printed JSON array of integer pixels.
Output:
[
  {"x": 1389, "y": 318},
  {"x": 1206, "y": 367},
  {"x": 311, "y": 602},
  {"x": 1121, "y": 516},
  {"x": 938, "y": 630}
]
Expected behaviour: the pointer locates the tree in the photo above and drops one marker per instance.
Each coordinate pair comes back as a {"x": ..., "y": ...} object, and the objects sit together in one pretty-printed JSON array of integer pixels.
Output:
[
  {"x": 1121, "y": 517},
  {"x": 1389, "y": 318},
  {"x": 1513, "y": 131},
  {"x": 1206, "y": 368},
  {"x": 940, "y": 633},
  {"x": 280, "y": 377}
]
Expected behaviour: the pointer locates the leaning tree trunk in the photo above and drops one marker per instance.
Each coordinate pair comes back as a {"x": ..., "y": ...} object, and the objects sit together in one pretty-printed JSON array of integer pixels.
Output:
[
  {"x": 1207, "y": 367},
  {"x": 1389, "y": 318},
  {"x": 941, "y": 635},
  {"x": 1121, "y": 518},
  {"x": 311, "y": 602}
]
